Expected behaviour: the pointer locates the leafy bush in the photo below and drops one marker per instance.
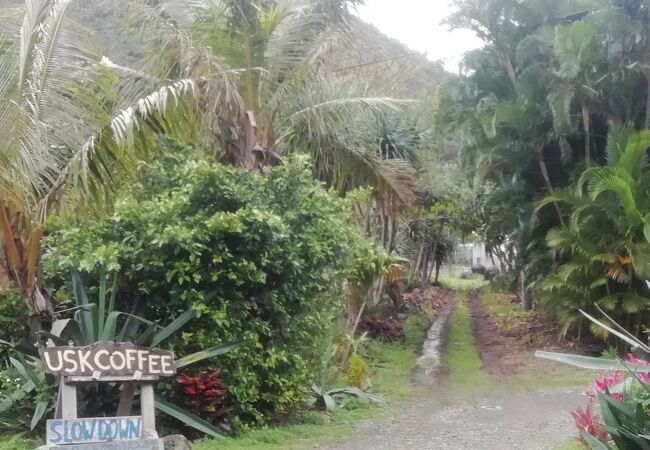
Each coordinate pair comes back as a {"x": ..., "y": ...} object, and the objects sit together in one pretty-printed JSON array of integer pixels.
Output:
[
  {"x": 415, "y": 326},
  {"x": 357, "y": 371},
  {"x": 260, "y": 259},
  {"x": 506, "y": 282},
  {"x": 204, "y": 395},
  {"x": 378, "y": 328},
  {"x": 29, "y": 394},
  {"x": 605, "y": 245},
  {"x": 13, "y": 319}
]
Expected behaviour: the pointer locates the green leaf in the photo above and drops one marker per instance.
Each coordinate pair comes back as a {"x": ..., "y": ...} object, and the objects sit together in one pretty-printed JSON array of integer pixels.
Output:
[
  {"x": 330, "y": 403},
  {"x": 593, "y": 443},
  {"x": 39, "y": 411},
  {"x": 55, "y": 339},
  {"x": 23, "y": 368},
  {"x": 591, "y": 363},
  {"x": 84, "y": 315},
  {"x": 101, "y": 314},
  {"x": 188, "y": 418},
  {"x": 624, "y": 335},
  {"x": 173, "y": 327},
  {"x": 207, "y": 353},
  {"x": 110, "y": 327}
]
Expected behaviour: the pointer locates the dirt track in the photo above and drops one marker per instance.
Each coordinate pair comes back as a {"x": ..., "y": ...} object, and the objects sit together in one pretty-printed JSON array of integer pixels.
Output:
[
  {"x": 444, "y": 418},
  {"x": 438, "y": 421}
]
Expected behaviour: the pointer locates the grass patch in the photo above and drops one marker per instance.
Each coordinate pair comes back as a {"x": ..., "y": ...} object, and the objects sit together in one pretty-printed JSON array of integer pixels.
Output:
[
  {"x": 462, "y": 284},
  {"x": 539, "y": 374},
  {"x": 391, "y": 366},
  {"x": 462, "y": 361},
  {"x": 17, "y": 442}
]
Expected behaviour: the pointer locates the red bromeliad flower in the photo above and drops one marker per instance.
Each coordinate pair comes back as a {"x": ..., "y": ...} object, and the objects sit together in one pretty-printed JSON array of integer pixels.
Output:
[
  {"x": 607, "y": 381},
  {"x": 586, "y": 420},
  {"x": 639, "y": 362},
  {"x": 203, "y": 394}
]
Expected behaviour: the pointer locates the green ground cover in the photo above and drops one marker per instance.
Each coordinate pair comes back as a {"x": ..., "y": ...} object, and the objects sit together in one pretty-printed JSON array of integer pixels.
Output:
[
  {"x": 391, "y": 364},
  {"x": 462, "y": 362}
]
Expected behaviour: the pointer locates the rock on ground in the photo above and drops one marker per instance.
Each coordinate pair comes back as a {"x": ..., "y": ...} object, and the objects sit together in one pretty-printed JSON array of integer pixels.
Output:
[{"x": 495, "y": 421}]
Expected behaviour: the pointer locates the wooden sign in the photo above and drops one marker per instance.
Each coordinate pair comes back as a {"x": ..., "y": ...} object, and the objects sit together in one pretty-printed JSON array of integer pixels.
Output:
[
  {"x": 108, "y": 359},
  {"x": 87, "y": 430},
  {"x": 144, "y": 444}
]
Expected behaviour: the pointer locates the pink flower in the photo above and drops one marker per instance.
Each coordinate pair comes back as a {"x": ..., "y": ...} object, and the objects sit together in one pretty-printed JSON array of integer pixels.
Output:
[
  {"x": 586, "y": 420},
  {"x": 639, "y": 362},
  {"x": 607, "y": 381}
]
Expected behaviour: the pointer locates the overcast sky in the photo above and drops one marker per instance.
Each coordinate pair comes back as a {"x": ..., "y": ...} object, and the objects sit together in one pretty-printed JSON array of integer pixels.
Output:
[{"x": 416, "y": 23}]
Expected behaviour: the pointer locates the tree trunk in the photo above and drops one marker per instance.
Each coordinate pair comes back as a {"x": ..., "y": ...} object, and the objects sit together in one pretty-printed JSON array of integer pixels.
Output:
[
  {"x": 353, "y": 294},
  {"x": 526, "y": 296},
  {"x": 508, "y": 67},
  {"x": 547, "y": 180},
  {"x": 646, "y": 122},
  {"x": 19, "y": 265},
  {"x": 424, "y": 270},
  {"x": 437, "y": 271},
  {"x": 415, "y": 268},
  {"x": 586, "y": 120}
]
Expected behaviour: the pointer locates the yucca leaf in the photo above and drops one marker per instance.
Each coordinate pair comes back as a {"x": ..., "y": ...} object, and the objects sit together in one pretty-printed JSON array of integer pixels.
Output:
[
  {"x": 330, "y": 403},
  {"x": 86, "y": 314},
  {"x": 39, "y": 411},
  {"x": 591, "y": 363},
  {"x": 101, "y": 315},
  {"x": 593, "y": 443},
  {"x": 188, "y": 418},
  {"x": 173, "y": 327},
  {"x": 207, "y": 353}
]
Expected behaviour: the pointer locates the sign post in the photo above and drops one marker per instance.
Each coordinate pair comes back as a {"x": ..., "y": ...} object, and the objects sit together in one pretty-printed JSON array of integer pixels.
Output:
[{"x": 105, "y": 362}]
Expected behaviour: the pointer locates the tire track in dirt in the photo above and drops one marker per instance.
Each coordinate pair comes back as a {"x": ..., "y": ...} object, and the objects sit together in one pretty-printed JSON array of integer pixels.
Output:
[{"x": 497, "y": 351}]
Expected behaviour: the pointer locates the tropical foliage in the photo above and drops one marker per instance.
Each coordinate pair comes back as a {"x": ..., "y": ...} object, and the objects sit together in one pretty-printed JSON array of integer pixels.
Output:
[
  {"x": 622, "y": 393},
  {"x": 542, "y": 118},
  {"x": 258, "y": 258}
]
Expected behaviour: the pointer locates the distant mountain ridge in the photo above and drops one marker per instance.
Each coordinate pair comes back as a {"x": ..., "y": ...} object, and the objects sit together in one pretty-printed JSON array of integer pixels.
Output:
[{"x": 381, "y": 64}]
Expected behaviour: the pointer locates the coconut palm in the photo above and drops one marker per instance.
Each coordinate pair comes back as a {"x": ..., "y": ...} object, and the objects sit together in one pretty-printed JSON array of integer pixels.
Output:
[
  {"x": 289, "y": 102},
  {"x": 66, "y": 133}
]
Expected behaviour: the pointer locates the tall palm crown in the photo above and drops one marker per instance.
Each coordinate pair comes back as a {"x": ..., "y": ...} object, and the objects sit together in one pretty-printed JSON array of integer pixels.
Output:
[
  {"x": 65, "y": 133},
  {"x": 277, "y": 50}
]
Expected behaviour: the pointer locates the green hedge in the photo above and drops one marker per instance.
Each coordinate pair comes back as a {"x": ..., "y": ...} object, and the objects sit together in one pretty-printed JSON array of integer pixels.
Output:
[{"x": 260, "y": 258}]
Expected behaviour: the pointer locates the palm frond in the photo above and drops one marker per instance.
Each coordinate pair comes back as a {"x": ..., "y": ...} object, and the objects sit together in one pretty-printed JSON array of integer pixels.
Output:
[{"x": 89, "y": 170}]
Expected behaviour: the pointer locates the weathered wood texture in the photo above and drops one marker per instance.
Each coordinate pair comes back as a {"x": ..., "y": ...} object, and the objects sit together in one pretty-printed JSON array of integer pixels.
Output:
[
  {"x": 108, "y": 359},
  {"x": 145, "y": 444},
  {"x": 95, "y": 429}
]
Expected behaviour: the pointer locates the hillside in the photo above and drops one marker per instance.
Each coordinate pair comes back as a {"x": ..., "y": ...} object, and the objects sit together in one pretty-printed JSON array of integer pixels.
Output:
[{"x": 382, "y": 65}]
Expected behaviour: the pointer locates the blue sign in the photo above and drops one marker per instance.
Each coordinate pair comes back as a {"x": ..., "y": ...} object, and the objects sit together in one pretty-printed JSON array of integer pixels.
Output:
[{"x": 88, "y": 430}]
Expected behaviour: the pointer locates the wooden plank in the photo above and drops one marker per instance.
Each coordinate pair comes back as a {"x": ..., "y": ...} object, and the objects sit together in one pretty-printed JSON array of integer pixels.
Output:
[
  {"x": 148, "y": 411},
  {"x": 109, "y": 379},
  {"x": 108, "y": 359},
  {"x": 144, "y": 444},
  {"x": 94, "y": 429},
  {"x": 68, "y": 401}
]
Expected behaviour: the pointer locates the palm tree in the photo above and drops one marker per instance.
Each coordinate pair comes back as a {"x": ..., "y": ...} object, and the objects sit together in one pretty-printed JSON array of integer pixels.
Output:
[
  {"x": 289, "y": 102},
  {"x": 607, "y": 240},
  {"x": 66, "y": 135}
]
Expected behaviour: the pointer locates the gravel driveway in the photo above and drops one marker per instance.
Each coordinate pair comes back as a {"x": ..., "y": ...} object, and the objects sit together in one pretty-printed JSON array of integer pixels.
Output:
[{"x": 525, "y": 420}]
